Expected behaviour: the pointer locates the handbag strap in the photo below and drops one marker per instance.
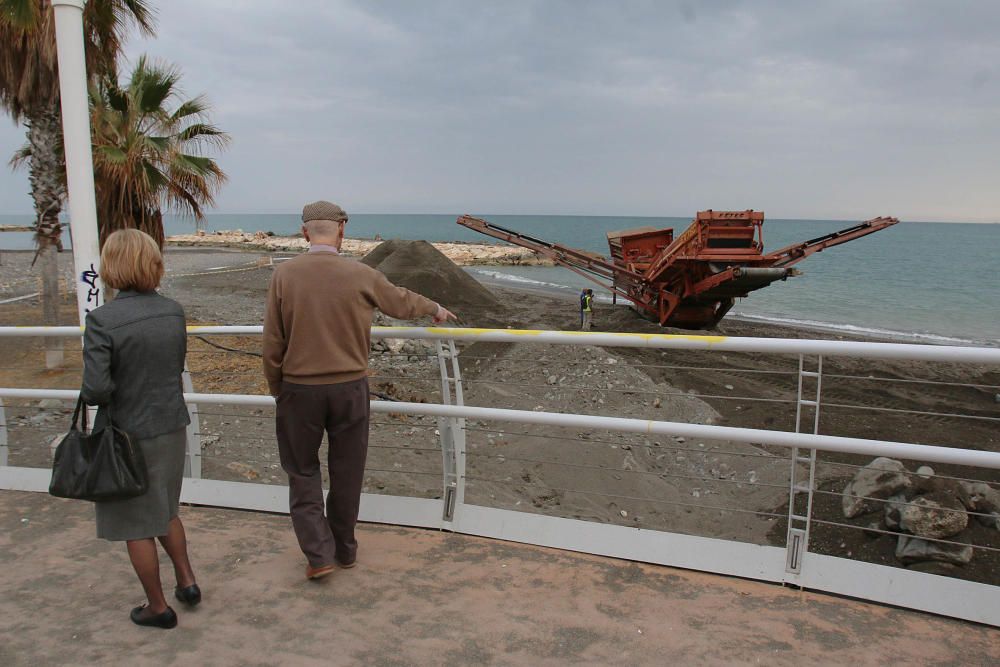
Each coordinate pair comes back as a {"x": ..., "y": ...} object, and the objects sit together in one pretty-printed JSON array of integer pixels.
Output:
[
  {"x": 76, "y": 415},
  {"x": 77, "y": 411}
]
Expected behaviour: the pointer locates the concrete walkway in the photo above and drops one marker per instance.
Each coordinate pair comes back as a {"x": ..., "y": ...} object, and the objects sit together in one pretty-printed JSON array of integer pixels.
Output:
[{"x": 420, "y": 597}]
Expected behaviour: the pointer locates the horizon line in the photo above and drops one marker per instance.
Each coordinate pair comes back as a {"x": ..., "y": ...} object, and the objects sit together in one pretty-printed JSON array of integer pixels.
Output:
[{"x": 574, "y": 215}]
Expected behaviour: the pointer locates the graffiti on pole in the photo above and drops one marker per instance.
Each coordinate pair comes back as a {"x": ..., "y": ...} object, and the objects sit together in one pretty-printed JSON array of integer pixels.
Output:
[{"x": 89, "y": 278}]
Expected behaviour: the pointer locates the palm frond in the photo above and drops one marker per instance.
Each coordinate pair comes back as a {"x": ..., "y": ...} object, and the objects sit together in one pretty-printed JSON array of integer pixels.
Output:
[
  {"x": 193, "y": 108},
  {"x": 20, "y": 14},
  {"x": 147, "y": 150},
  {"x": 20, "y": 157},
  {"x": 203, "y": 133},
  {"x": 112, "y": 154}
]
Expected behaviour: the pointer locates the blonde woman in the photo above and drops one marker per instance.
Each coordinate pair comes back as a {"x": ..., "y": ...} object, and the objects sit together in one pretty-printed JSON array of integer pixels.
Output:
[{"x": 133, "y": 354}]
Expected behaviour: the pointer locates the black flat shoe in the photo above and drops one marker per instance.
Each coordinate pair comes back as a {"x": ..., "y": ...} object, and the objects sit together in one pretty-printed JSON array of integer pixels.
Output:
[
  {"x": 166, "y": 620},
  {"x": 189, "y": 596}
]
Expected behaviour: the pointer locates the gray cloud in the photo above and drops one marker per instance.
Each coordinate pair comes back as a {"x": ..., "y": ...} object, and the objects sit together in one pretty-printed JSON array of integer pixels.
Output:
[{"x": 825, "y": 109}]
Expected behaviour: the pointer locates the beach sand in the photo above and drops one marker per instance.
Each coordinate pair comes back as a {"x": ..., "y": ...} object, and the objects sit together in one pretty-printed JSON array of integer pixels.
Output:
[{"x": 714, "y": 488}]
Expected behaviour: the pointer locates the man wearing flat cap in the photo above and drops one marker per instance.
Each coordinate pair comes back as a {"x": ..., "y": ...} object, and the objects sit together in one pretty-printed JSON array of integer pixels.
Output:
[{"x": 317, "y": 334}]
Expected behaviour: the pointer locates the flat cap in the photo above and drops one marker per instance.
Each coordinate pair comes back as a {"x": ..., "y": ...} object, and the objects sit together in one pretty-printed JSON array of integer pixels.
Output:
[{"x": 323, "y": 210}]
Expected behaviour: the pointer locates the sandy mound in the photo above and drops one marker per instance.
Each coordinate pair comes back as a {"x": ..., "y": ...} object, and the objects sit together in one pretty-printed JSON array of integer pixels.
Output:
[{"x": 419, "y": 266}]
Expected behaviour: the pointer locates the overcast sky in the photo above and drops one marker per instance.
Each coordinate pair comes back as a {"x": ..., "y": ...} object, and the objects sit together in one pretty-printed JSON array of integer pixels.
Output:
[{"x": 842, "y": 109}]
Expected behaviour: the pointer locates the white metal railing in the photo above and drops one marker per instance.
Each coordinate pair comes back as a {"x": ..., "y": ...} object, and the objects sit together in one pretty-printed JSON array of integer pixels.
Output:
[{"x": 793, "y": 564}]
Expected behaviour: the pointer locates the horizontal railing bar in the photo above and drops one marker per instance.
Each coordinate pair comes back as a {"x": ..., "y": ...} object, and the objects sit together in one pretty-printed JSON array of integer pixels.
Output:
[
  {"x": 858, "y": 349},
  {"x": 831, "y": 443}
]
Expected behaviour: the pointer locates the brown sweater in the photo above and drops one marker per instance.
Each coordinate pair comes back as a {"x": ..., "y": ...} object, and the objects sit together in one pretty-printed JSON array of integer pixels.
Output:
[{"x": 317, "y": 327}]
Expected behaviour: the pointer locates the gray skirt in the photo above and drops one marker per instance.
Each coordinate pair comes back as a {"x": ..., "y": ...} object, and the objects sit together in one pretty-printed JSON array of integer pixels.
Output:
[{"x": 149, "y": 514}]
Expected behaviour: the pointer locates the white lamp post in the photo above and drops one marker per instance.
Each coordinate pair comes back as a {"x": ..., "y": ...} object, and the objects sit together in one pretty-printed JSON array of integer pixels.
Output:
[{"x": 79, "y": 158}]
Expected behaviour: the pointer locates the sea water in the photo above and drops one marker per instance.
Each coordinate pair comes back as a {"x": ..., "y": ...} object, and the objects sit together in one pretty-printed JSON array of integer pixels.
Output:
[{"x": 931, "y": 282}]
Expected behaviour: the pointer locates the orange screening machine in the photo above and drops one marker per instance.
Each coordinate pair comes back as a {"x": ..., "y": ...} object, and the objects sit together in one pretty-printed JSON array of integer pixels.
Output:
[{"x": 690, "y": 281}]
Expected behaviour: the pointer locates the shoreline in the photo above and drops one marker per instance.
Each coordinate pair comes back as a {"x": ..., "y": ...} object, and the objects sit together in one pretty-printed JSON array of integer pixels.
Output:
[
  {"x": 830, "y": 331},
  {"x": 461, "y": 253},
  {"x": 473, "y": 253}
]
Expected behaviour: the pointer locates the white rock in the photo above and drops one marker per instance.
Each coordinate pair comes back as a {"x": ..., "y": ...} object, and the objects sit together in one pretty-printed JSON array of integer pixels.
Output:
[{"x": 925, "y": 472}]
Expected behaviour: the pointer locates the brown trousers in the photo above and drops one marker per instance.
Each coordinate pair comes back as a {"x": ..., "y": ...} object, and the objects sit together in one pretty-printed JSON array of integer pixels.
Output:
[{"x": 304, "y": 413}]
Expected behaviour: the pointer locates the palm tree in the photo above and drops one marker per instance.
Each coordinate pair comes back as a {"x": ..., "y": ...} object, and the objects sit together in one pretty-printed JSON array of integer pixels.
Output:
[
  {"x": 149, "y": 158},
  {"x": 29, "y": 92}
]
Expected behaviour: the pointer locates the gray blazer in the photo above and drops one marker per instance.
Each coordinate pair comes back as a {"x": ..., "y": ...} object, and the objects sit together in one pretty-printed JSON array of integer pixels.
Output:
[{"x": 133, "y": 357}]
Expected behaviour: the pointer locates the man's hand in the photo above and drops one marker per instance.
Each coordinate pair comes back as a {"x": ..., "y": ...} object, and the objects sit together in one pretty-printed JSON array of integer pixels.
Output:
[{"x": 444, "y": 315}]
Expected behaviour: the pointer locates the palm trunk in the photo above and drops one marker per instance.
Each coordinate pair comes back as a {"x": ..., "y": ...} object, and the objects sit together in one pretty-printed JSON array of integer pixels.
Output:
[{"x": 46, "y": 175}]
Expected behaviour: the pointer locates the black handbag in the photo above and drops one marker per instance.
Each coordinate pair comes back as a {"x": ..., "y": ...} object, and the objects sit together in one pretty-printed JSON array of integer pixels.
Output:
[{"x": 103, "y": 465}]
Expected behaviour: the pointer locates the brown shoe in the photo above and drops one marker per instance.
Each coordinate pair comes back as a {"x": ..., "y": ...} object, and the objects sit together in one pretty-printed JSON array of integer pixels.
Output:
[
  {"x": 347, "y": 566},
  {"x": 318, "y": 572}
]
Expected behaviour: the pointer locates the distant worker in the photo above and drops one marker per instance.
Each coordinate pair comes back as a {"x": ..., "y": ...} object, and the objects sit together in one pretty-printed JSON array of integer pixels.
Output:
[
  {"x": 583, "y": 297},
  {"x": 587, "y": 309},
  {"x": 317, "y": 335}
]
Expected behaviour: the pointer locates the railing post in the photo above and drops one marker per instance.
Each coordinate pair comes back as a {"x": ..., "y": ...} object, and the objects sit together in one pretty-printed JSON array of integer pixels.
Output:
[
  {"x": 3, "y": 434},
  {"x": 452, "y": 432},
  {"x": 797, "y": 540},
  {"x": 458, "y": 433},
  {"x": 192, "y": 465}
]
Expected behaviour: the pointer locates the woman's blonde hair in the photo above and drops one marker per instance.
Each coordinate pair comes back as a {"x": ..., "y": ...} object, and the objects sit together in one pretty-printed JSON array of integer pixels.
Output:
[{"x": 131, "y": 260}]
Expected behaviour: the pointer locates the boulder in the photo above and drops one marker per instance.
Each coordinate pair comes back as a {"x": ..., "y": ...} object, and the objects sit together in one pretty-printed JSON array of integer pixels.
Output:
[
  {"x": 985, "y": 501},
  {"x": 949, "y": 487},
  {"x": 893, "y": 508},
  {"x": 915, "y": 550},
  {"x": 934, "y": 515},
  {"x": 878, "y": 480}
]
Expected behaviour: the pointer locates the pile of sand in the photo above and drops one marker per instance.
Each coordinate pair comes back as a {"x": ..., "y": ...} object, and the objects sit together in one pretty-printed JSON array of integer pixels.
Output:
[{"x": 422, "y": 268}]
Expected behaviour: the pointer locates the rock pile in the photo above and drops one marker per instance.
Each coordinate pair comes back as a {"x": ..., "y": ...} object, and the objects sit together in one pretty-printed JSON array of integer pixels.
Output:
[
  {"x": 922, "y": 509},
  {"x": 419, "y": 266}
]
